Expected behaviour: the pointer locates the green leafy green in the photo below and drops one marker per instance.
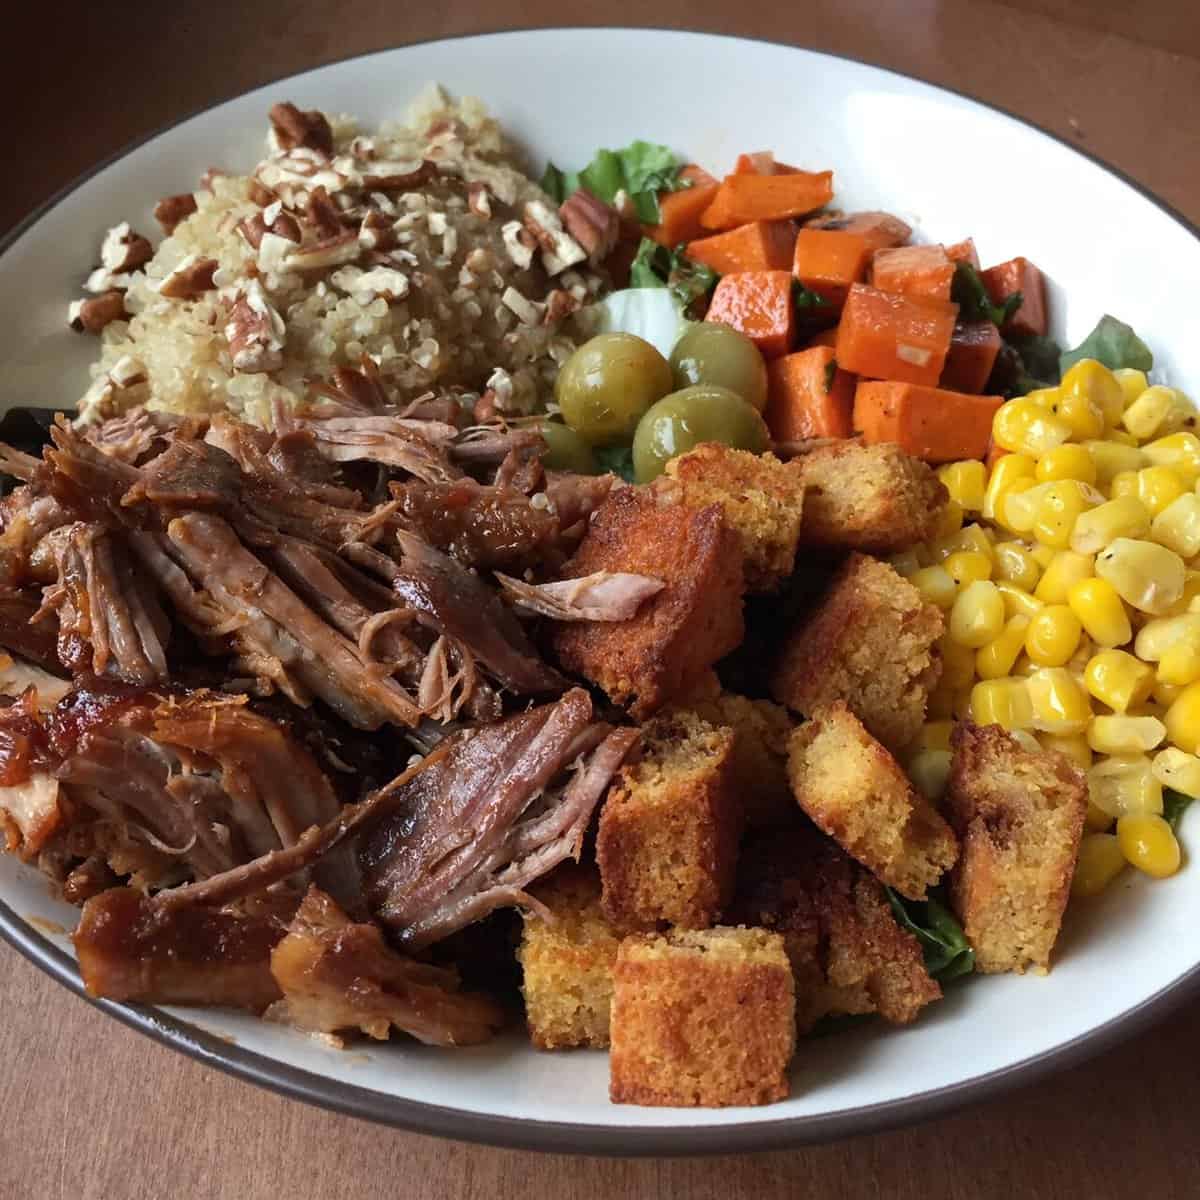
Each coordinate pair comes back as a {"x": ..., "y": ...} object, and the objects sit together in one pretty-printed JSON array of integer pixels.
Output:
[
  {"x": 1023, "y": 364},
  {"x": 830, "y": 374},
  {"x": 656, "y": 266},
  {"x": 805, "y": 300},
  {"x": 617, "y": 459},
  {"x": 1112, "y": 343},
  {"x": 1174, "y": 804},
  {"x": 974, "y": 304},
  {"x": 641, "y": 170},
  {"x": 948, "y": 954}
]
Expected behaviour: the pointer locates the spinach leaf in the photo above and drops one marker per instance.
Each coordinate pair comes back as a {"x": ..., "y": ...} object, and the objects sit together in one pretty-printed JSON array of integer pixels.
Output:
[
  {"x": 656, "y": 266},
  {"x": 1174, "y": 804},
  {"x": 617, "y": 459},
  {"x": 651, "y": 265},
  {"x": 805, "y": 300},
  {"x": 553, "y": 183},
  {"x": 948, "y": 954},
  {"x": 1024, "y": 364},
  {"x": 974, "y": 303},
  {"x": 641, "y": 170},
  {"x": 1112, "y": 343}
]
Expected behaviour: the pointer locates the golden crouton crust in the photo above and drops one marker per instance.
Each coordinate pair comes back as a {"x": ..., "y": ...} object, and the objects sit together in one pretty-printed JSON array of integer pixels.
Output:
[
  {"x": 669, "y": 830},
  {"x": 702, "y": 1019},
  {"x": 1020, "y": 817},
  {"x": 872, "y": 642},
  {"x": 856, "y": 792},
  {"x": 848, "y": 954},
  {"x": 761, "y": 730},
  {"x": 675, "y": 636},
  {"x": 872, "y": 498},
  {"x": 568, "y": 963},
  {"x": 761, "y": 497}
]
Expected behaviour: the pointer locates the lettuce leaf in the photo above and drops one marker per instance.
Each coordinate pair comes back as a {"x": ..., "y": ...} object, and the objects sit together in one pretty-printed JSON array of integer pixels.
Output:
[
  {"x": 1112, "y": 343},
  {"x": 974, "y": 303},
  {"x": 641, "y": 170},
  {"x": 656, "y": 266},
  {"x": 947, "y": 952},
  {"x": 1174, "y": 804}
]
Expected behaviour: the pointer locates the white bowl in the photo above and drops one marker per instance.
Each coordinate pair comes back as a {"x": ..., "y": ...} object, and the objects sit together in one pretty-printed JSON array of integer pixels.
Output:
[{"x": 953, "y": 168}]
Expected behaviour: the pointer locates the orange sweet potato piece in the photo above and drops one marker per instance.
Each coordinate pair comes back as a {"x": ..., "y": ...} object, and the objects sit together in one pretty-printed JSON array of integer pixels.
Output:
[
  {"x": 761, "y": 162},
  {"x": 758, "y": 246},
  {"x": 972, "y": 355},
  {"x": 879, "y": 228},
  {"x": 681, "y": 210},
  {"x": 926, "y": 422},
  {"x": 964, "y": 251},
  {"x": 827, "y": 337},
  {"x": 759, "y": 304},
  {"x": 914, "y": 271},
  {"x": 1019, "y": 275},
  {"x": 809, "y": 396},
  {"x": 744, "y": 198},
  {"x": 828, "y": 261},
  {"x": 886, "y": 336}
]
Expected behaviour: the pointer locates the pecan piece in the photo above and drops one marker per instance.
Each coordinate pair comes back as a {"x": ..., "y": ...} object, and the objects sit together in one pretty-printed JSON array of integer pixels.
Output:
[
  {"x": 596, "y": 226},
  {"x": 559, "y": 249},
  {"x": 322, "y": 214},
  {"x": 560, "y": 304},
  {"x": 329, "y": 252},
  {"x": 170, "y": 210},
  {"x": 376, "y": 232},
  {"x": 294, "y": 128},
  {"x": 209, "y": 176},
  {"x": 260, "y": 194},
  {"x": 123, "y": 250},
  {"x": 479, "y": 199},
  {"x": 255, "y": 331},
  {"x": 399, "y": 176},
  {"x": 91, "y": 315},
  {"x": 519, "y": 243},
  {"x": 192, "y": 277},
  {"x": 271, "y": 220}
]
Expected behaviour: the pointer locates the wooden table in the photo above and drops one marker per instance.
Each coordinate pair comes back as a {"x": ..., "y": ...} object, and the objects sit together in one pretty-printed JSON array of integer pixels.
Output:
[{"x": 90, "y": 1109}]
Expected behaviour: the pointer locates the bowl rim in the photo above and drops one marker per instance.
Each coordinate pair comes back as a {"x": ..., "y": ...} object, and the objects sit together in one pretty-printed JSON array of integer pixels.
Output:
[{"x": 563, "y": 1137}]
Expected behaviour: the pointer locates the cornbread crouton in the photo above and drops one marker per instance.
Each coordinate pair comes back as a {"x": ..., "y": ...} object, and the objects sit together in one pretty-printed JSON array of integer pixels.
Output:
[
  {"x": 856, "y": 792},
  {"x": 871, "y": 642},
  {"x": 761, "y": 498},
  {"x": 702, "y": 1018},
  {"x": 848, "y": 954},
  {"x": 568, "y": 963},
  {"x": 761, "y": 731},
  {"x": 668, "y": 836},
  {"x": 679, "y": 633},
  {"x": 872, "y": 498},
  {"x": 1020, "y": 817}
]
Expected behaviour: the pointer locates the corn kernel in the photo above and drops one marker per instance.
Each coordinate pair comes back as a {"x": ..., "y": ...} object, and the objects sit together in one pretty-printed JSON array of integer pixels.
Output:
[
  {"x": 1014, "y": 564},
  {"x": 1189, "y": 601},
  {"x": 1059, "y": 507},
  {"x": 1043, "y": 555},
  {"x": 1112, "y": 458},
  {"x": 978, "y": 615},
  {"x": 1149, "y": 844},
  {"x": 949, "y": 521},
  {"x": 1150, "y": 414},
  {"x": 969, "y": 537},
  {"x": 934, "y": 735},
  {"x": 1178, "y": 525},
  {"x": 1019, "y": 508},
  {"x": 1052, "y": 636},
  {"x": 1100, "y": 861},
  {"x": 1096, "y": 820},
  {"x": 1180, "y": 452},
  {"x": 1025, "y": 740},
  {"x": 1120, "y": 785},
  {"x": 929, "y": 771},
  {"x": 1145, "y": 574},
  {"x": 968, "y": 566},
  {"x": 1069, "y": 461},
  {"x": 1165, "y": 694},
  {"x": 1158, "y": 486},
  {"x": 1046, "y": 398},
  {"x": 1125, "y": 735},
  {"x": 1124, "y": 517},
  {"x": 1023, "y": 427},
  {"x": 935, "y": 584},
  {"x": 966, "y": 482},
  {"x": 1006, "y": 472},
  {"x": 1001, "y": 702},
  {"x": 1092, "y": 381},
  {"x": 1081, "y": 415},
  {"x": 1183, "y": 719},
  {"x": 1072, "y": 746},
  {"x": 1156, "y": 637},
  {"x": 906, "y": 563},
  {"x": 1101, "y": 611},
  {"x": 941, "y": 704},
  {"x": 1124, "y": 483},
  {"x": 1121, "y": 437},
  {"x": 1060, "y": 704},
  {"x": 1180, "y": 663},
  {"x": 1117, "y": 679},
  {"x": 1065, "y": 569},
  {"x": 962, "y": 704},
  {"x": 1017, "y": 601},
  {"x": 996, "y": 659},
  {"x": 1132, "y": 382},
  {"x": 958, "y": 663},
  {"x": 1178, "y": 770}
]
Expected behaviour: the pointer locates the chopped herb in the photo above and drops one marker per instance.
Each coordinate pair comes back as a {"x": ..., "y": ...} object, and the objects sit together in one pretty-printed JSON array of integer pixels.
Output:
[
  {"x": 1112, "y": 343},
  {"x": 806, "y": 300},
  {"x": 656, "y": 266},
  {"x": 1024, "y": 364},
  {"x": 813, "y": 311},
  {"x": 830, "y": 374},
  {"x": 974, "y": 304},
  {"x": 641, "y": 170},
  {"x": 617, "y": 459},
  {"x": 1174, "y": 804},
  {"x": 948, "y": 954},
  {"x": 651, "y": 265}
]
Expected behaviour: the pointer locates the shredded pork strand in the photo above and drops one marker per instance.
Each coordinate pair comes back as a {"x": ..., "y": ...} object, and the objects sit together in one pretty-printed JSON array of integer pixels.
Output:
[{"x": 601, "y": 596}]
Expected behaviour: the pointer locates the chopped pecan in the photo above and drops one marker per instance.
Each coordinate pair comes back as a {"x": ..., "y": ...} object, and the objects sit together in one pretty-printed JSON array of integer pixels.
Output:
[
  {"x": 479, "y": 199},
  {"x": 596, "y": 226},
  {"x": 213, "y": 173},
  {"x": 322, "y": 214},
  {"x": 260, "y": 194},
  {"x": 127, "y": 371},
  {"x": 93, "y": 314},
  {"x": 123, "y": 250},
  {"x": 399, "y": 176},
  {"x": 529, "y": 312},
  {"x": 103, "y": 280},
  {"x": 255, "y": 331},
  {"x": 376, "y": 232},
  {"x": 294, "y": 128},
  {"x": 559, "y": 306},
  {"x": 364, "y": 286},
  {"x": 278, "y": 222},
  {"x": 559, "y": 249},
  {"x": 329, "y": 252},
  {"x": 192, "y": 277},
  {"x": 170, "y": 210},
  {"x": 519, "y": 243}
]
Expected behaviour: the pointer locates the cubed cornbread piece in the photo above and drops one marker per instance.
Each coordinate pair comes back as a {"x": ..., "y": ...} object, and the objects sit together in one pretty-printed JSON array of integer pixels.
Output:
[
  {"x": 702, "y": 1018},
  {"x": 568, "y": 962},
  {"x": 872, "y": 642},
  {"x": 668, "y": 836},
  {"x": 1020, "y": 817},
  {"x": 677, "y": 634},
  {"x": 761, "y": 730},
  {"x": 872, "y": 498},
  {"x": 848, "y": 954},
  {"x": 856, "y": 792},
  {"x": 761, "y": 498}
]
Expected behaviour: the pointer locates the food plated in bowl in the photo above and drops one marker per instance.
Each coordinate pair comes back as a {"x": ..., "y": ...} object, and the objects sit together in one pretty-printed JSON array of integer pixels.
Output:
[{"x": 645, "y": 686}]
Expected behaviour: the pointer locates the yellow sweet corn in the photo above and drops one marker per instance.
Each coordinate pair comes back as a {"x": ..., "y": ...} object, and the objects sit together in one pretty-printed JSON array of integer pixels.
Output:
[
  {"x": 1065, "y": 569},
  {"x": 949, "y": 521},
  {"x": 1178, "y": 770},
  {"x": 1124, "y": 517},
  {"x": 936, "y": 584},
  {"x": 1120, "y": 785},
  {"x": 1093, "y": 382},
  {"x": 1117, "y": 679},
  {"x": 958, "y": 663},
  {"x": 966, "y": 482},
  {"x": 1023, "y": 427},
  {"x": 1177, "y": 526},
  {"x": 1002, "y": 702},
  {"x": 906, "y": 563},
  {"x": 1183, "y": 719},
  {"x": 1101, "y": 611},
  {"x": 1017, "y": 601},
  {"x": 1074, "y": 746},
  {"x": 1153, "y": 412},
  {"x": 1069, "y": 461},
  {"x": 1059, "y": 703},
  {"x": 1058, "y": 508},
  {"x": 1156, "y": 637},
  {"x": 929, "y": 771},
  {"x": 1052, "y": 636},
  {"x": 1145, "y": 574},
  {"x": 1132, "y": 383},
  {"x": 996, "y": 659},
  {"x": 1100, "y": 861},
  {"x": 1179, "y": 451},
  {"x": 968, "y": 566},
  {"x": 1180, "y": 663},
  {"x": 1158, "y": 486},
  {"x": 1149, "y": 844},
  {"x": 1113, "y": 458},
  {"x": 1005, "y": 473},
  {"x": 933, "y": 735},
  {"x": 1125, "y": 735},
  {"x": 978, "y": 615},
  {"x": 1125, "y": 483},
  {"x": 1015, "y": 564}
]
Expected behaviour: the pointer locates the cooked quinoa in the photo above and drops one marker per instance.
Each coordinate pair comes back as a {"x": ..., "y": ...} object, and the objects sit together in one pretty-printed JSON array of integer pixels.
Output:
[{"x": 429, "y": 250}]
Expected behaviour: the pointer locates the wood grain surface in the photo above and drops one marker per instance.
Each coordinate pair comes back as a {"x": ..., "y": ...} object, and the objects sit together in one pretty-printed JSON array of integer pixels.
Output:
[{"x": 91, "y": 1110}]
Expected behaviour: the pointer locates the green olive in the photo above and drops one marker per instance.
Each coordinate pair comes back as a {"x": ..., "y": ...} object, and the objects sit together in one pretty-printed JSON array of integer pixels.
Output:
[
  {"x": 608, "y": 383},
  {"x": 684, "y": 419},
  {"x": 566, "y": 450},
  {"x": 710, "y": 352}
]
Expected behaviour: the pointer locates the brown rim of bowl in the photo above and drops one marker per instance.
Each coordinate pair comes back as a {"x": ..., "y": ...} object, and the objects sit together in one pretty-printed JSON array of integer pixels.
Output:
[{"x": 558, "y": 1136}]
